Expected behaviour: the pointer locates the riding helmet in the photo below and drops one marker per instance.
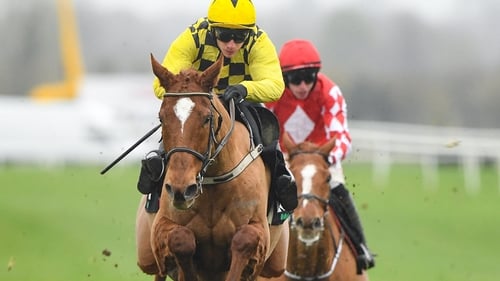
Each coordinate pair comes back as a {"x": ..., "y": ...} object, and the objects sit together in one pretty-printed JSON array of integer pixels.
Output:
[
  {"x": 298, "y": 54},
  {"x": 236, "y": 14}
]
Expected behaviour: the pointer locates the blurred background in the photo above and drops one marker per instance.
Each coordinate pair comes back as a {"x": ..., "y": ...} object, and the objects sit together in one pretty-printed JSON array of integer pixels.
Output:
[
  {"x": 419, "y": 77},
  {"x": 407, "y": 61},
  {"x": 422, "y": 89}
]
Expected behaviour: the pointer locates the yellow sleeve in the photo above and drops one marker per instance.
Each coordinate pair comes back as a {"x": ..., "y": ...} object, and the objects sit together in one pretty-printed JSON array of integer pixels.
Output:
[
  {"x": 179, "y": 56},
  {"x": 267, "y": 81}
]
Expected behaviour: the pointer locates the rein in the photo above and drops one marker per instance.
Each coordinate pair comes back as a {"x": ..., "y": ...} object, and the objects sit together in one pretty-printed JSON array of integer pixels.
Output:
[{"x": 208, "y": 157}]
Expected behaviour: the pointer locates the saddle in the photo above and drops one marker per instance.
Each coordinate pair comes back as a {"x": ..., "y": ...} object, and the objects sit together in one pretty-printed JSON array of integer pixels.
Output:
[{"x": 261, "y": 123}]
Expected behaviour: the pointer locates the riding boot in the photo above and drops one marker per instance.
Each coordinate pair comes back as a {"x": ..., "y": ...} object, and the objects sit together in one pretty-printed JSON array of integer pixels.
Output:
[
  {"x": 343, "y": 204},
  {"x": 286, "y": 188},
  {"x": 151, "y": 178},
  {"x": 283, "y": 195}
]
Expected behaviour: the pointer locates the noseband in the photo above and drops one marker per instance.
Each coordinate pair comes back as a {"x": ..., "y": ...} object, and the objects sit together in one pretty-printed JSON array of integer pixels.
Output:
[{"x": 311, "y": 196}]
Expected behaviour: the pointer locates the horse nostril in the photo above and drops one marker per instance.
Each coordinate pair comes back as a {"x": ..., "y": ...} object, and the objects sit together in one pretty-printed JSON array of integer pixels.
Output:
[
  {"x": 191, "y": 191},
  {"x": 168, "y": 187},
  {"x": 299, "y": 222},
  {"x": 317, "y": 223}
]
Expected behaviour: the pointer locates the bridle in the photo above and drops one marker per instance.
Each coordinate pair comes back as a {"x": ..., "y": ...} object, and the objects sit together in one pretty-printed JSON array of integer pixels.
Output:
[
  {"x": 338, "y": 247},
  {"x": 214, "y": 147}
]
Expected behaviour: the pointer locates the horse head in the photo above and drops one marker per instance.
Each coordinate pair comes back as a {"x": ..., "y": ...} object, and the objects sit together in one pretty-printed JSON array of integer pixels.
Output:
[
  {"x": 190, "y": 123},
  {"x": 308, "y": 163}
]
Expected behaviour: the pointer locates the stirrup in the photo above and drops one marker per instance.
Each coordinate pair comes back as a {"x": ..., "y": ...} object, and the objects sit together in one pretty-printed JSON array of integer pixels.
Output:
[
  {"x": 155, "y": 165},
  {"x": 152, "y": 170}
]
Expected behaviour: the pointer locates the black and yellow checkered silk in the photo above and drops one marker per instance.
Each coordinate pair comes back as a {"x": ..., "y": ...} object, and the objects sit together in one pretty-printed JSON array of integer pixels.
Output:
[
  {"x": 255, "y": 65},
  {"x": 235, "y": 69}
]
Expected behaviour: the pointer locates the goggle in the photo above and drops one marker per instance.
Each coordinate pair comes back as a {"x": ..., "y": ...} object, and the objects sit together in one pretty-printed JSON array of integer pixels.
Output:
[
  {"x": 237, "y": 35},
  {"x": 296, "y": 77}
]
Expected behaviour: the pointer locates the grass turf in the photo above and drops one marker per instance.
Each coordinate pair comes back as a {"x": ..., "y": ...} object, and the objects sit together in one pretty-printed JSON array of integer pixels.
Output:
[
  {"x": 68, "y": 224},
  {"x": 74, "y": 224},
  {"x": 429, "y": 233}
]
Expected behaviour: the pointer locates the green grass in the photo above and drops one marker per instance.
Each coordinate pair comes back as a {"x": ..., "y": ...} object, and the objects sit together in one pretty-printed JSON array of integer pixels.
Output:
[
  {"x": 430, "y": 233},
  {"x": 55, "y": 224}
]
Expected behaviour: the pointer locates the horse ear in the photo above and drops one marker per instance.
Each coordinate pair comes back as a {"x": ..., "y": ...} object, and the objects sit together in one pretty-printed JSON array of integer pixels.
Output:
[
  {"x": 288, "y": 143},
  {"x": 165, "y": 76},
  {"x": 210, "y": 76},
  {"x": 328, "y": 146}
]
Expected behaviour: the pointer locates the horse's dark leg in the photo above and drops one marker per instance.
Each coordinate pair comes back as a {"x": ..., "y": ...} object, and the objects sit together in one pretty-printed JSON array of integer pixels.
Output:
[
  {"x": 248, "y": 253},
  {"x": 182, "y": 244},
  {"x": 159, "y": 278}
]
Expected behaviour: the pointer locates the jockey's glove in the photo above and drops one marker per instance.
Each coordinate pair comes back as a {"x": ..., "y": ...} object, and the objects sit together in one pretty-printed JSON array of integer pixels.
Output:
[{"x": 237, "y": 92}]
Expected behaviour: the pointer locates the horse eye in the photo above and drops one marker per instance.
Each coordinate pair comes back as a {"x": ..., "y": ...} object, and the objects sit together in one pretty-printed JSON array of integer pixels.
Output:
[
  {"x": 328, "y": 178},
  {"x": 207, "y": 120}
]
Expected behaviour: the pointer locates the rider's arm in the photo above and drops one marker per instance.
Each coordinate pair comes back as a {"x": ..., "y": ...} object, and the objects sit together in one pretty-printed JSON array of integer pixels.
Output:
[
  {"x": 335, "y": 119},
  {"x": 179, "y": 56},
  {"x": 267, "y": 81}
]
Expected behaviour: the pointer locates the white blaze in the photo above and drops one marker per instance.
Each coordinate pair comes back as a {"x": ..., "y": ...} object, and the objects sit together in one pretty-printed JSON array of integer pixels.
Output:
[
  {"x": 183, "y": 109},
  {"x": 307, "y": 175}
]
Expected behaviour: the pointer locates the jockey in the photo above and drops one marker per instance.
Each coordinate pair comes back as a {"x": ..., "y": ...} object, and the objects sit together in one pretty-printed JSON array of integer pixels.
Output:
[
  {"x": 313, "y": 109},
  {"x": 250, "y": 75}
]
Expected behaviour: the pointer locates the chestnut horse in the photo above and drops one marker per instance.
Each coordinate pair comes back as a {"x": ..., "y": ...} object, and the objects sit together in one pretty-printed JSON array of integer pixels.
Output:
[
  {"x": 318, "y": 248},
  {"x": 212, "y": 221}
]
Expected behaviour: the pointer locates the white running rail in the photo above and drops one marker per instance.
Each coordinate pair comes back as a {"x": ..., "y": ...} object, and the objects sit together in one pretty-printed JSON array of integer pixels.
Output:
[{"x": 384, "y": 143}]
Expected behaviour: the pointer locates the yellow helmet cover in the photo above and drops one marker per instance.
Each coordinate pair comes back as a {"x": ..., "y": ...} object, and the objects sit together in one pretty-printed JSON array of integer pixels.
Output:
[{"x": 236, "y": 14}]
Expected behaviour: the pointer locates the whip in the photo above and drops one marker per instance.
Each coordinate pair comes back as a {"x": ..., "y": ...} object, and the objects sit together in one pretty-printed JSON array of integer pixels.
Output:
[{"x": 147, "y": 135}]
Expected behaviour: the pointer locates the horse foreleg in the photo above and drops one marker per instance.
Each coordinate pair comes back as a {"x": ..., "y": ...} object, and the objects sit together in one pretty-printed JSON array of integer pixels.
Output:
[
  {"x": 160, "y": 278},
  {"x": 248, "y": 253},
  {"x": 159, "y": 235},
  {"x": 171, "y": 240},
  {"x": 276, "y": 262},
  {"x": 182, "y": 244}
]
